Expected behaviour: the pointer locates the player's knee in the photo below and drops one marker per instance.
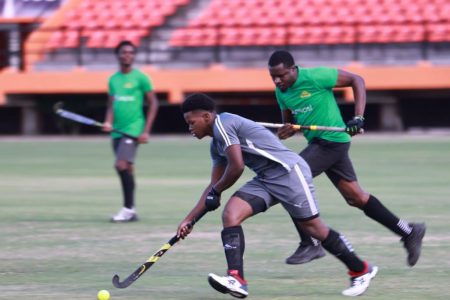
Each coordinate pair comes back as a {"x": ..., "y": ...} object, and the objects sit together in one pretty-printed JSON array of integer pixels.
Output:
[
  {"x": 315, "y": 228},
  {"x": 230, "y": 218},
  {"x": 356, "y": 200},
  {"x": 121, "y": 165}
]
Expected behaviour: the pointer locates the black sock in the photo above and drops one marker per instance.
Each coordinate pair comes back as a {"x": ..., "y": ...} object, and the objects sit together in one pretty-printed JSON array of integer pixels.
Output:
[
  {"x": 375, "y": 210},
  {"x": 305, "y": 239},
  {"x": 234, "y": 245},
  {"x": 127, "y": 180},
  {"x": 338, "y": 245}
]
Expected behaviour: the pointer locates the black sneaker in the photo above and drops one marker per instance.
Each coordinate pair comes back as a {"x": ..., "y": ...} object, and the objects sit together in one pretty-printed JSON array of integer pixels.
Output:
[
  {"x": 413, "y": 242},
  {"x": 305, "y": 253}
]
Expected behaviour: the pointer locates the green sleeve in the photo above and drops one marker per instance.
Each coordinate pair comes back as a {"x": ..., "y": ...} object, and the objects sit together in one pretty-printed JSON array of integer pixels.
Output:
[
  {"x": 110, "y": 87},
  {"x": 146, "y": 84},
  {"x": 325, "y": 77}
]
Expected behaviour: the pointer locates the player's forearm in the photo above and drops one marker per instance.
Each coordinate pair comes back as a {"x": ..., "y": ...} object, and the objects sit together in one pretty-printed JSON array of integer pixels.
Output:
[
  {"x": 107, "y": 124},
  {"x": 359, "y": 92},
  {"x": 231, "y": 175},
  {"x": 109, "y": 117},
  {"x": 198, "y": 208},
  {"x": 151, "y": 114},
  {"x": 150, "y": 119}
]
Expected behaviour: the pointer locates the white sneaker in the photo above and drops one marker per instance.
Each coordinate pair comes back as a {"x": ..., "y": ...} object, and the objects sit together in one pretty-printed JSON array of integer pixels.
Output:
[
  {"x": 358, "y": 285},
  {"x": 125, "y": 215},
  {"x": 236, "y": 287}
]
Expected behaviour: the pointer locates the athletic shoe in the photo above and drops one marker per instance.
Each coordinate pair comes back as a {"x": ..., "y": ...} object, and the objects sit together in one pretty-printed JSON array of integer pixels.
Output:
[
  {"x": 231, "y": 284},
  {"x": 125, "y": 215},
  {"x": 413, "y": 242},
  {"x": 359, "y": 284},
  {"x": 305, "y": 253}
]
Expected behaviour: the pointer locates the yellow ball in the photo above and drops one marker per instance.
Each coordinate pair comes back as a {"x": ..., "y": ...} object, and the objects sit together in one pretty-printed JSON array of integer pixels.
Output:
[{"x": 103, "y": 295}]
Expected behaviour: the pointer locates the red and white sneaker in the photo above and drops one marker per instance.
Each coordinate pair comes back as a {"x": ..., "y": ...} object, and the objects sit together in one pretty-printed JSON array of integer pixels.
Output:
[
  {"x": 231, "y": 284},
  {"x": 359, "y": 283}
]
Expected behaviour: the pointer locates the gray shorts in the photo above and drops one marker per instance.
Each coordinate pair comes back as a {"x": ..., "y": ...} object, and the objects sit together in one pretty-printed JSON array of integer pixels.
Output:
[
  {"x": 294, "y": 190},
  {"x": 125, "y": 148}
]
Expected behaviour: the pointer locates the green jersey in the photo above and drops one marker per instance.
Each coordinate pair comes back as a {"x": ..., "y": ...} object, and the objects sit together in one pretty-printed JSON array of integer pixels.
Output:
[
  {"x": 128, "y": 91},
  {"x": 311, "y": 101}
]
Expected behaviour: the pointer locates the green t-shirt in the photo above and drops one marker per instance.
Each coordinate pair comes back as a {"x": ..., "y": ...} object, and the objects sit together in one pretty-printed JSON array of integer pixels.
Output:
[
  {"x": 311, "y": 101},
  {"x": 128, "y": 91}
]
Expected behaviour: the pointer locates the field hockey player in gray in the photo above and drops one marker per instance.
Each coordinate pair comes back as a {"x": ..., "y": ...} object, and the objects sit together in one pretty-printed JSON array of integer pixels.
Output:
[{"x": 282, "y": 176}]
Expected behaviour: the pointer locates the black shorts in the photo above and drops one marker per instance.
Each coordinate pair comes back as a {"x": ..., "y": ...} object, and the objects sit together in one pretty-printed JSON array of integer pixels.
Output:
[
  {"x": 331, "y": 158},
  {"x": 125, "y": 148}
]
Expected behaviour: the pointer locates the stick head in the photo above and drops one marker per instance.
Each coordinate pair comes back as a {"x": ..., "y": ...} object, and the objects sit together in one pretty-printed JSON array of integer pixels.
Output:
[{"x": 58, "y": 107}]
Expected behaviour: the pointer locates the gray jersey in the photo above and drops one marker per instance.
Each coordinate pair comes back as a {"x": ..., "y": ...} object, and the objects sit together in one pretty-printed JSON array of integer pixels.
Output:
[{"x": 262, "y": 151}]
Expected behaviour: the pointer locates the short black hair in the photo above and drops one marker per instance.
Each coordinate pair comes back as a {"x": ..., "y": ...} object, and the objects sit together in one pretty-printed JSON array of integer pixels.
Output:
[
  {"x": 122, "y": 44},
  {"x": 281, "y": 57},
  {"x": 198, "y": 101}
]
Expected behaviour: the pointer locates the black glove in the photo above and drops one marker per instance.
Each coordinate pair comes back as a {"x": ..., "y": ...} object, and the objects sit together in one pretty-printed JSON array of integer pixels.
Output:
[
  {"x": 355, "y": 125},
  {"x": 212, "y": 201}
]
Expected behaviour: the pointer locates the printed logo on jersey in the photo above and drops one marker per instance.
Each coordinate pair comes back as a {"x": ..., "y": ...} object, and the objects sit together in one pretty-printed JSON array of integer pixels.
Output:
[
  {"x": 303, "y": 110},
  {"x": 305, "y": 94},
  {"x": 123, "y": 98},
  {"x": 128, "y": 85}
]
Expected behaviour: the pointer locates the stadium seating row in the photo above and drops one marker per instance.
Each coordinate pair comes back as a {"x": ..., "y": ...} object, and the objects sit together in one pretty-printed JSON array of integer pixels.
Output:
[
  {"x": 296, "y": 35},
  {"x": 102, "y": 23},
  {"x": 300, "y": 22},
  {"x": 95, "y": 38},
  {"x": 307, "y": 12}
]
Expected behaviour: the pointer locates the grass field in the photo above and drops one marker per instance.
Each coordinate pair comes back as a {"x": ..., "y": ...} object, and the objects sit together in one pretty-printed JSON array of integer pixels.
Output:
[{"x": 56, "y": 197}]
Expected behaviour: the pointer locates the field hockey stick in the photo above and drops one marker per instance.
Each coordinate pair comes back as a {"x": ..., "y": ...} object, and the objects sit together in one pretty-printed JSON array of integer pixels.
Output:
[
  {"x": 308, "y": 127},
  {"x": 82, "y": 119},
  {"x": 154, "y": 258}
]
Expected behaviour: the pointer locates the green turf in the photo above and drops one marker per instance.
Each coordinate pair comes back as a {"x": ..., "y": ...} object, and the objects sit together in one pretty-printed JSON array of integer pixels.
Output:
[{"x": 56, "y": 197}]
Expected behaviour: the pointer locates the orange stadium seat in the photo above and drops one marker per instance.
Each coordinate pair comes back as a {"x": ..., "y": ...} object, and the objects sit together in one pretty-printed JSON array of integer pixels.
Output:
[
  {"x": 297, "y": 35},
  {"x": 409, "y": 33},
  {"x": 269, "y": 36},
  {"x": 391, "y": 33},
  {"x": 96, "y": 39},
  {"x": 438, "y": 32},
  {"x": 194, "y": 37},
  {"x": 375, "y": 34},
  {"x": 340, "y": 35},
  {"x": 316, "y": 35},
  {"x": 228, "y": 36},
  {"x": 55, "y": 40},
  {"x": 180, "y": 38},
  {"x": 64, "y": 39},
  {"x": 431, "y": 13}
]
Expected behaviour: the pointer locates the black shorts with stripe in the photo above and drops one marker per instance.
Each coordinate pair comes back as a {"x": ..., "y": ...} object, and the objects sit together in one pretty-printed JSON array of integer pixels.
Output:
[{"x": 331, "y": 158}]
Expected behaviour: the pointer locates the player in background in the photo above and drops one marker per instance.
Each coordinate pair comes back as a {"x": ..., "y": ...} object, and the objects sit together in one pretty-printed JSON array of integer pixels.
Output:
[
  {"x": 127, "y": 90},
  {"x": 281, "y": 177},
  {"x": 305, "y": 97}
]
